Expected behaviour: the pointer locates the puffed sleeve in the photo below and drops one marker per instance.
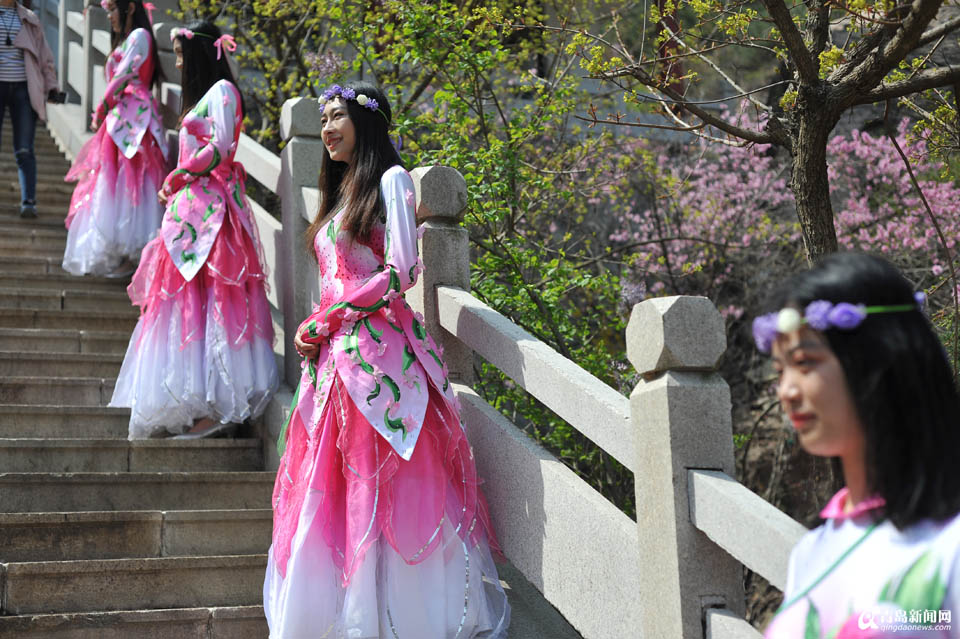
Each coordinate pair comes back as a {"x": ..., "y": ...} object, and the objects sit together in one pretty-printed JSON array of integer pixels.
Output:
[
  {"x": 136, "y": 51},
  {"x": 214, "y": 133},
  {"x": 401, "y": 263}
]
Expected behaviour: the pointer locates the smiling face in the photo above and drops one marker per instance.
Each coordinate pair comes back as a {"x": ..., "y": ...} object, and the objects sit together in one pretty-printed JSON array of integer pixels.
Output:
[
  {"x": 814, "y": 394},
  {"x": 338, "y": 132}
]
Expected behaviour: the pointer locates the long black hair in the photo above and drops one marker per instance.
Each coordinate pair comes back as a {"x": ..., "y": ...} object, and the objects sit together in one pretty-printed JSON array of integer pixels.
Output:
[
  {"x": 901, "y": 382},
  {"x": 358, "y": 182},
  {"x": 141, "y": 20},
  {"x": 201, "y": 68}
]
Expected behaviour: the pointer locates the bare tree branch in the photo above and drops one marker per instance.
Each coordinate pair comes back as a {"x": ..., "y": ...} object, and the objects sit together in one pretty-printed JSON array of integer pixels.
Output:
[
  {"x": 928, "y": 79},
  {"x": 908, "y": 36},
  {"x": 941, "y": 30},
  {"x": 705, "y": 116},
  {"x": 793, "y": 39}
]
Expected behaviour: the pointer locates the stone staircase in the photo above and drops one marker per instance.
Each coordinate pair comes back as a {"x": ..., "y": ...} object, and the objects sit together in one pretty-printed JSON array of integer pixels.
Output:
[{"x": 100, "y": 537}]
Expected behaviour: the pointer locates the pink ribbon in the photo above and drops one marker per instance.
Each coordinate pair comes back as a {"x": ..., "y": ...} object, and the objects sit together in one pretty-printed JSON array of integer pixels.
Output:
[
  {"x": 150, "y": 8},
  {"x": 227, "y": 42},
  {"x": 104, "y": 6}
]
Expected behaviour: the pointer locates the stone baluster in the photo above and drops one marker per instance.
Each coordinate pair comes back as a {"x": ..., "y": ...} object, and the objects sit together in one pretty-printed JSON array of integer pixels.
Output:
[
  {"x": 298, "y": 279},
  {"x": 64, "y": 37},
  {"x": 681, "y": 418},
  {"x": 94, "y": 18},
  {"x": 445, "y": 251}
]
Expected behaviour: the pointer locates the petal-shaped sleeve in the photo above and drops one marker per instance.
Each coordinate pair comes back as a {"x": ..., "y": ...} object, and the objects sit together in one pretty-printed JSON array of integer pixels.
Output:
[
  {"x": 214, "y": 129},
  {"x": 400, "y": 269},
  {"x": 135, "y": 51}
]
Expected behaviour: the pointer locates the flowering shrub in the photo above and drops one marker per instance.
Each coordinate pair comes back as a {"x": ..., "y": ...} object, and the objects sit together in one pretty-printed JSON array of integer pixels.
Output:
[{"x": 878, "y": 208}]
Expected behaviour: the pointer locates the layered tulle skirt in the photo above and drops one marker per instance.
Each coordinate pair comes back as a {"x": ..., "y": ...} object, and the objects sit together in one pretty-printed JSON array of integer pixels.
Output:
[
  {"x": 202, "y": 348},
  {"x": 114, "y": 210},
  {"x": 367, "y": 545}
]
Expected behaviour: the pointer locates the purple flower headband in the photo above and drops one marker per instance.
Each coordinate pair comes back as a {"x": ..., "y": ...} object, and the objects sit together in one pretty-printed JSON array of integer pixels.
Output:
[
  {"x": 350, "y": 94},
  {"x": 821, "y": 315},
  {"x": 226, "y": 41}
]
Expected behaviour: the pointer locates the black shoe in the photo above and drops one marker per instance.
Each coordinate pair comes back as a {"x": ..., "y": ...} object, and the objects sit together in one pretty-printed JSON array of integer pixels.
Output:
[{"x": 28, "y": 210}]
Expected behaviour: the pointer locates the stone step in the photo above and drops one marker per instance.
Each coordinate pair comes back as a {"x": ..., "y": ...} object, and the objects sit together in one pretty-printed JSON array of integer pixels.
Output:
[
  {"x": 31, "y": 264},
  {"x": 71, "y": 536},
  {"x": 61, "y": 281},
  {"x": 235, "y": 622},
  {"x": 48, "y": 340},
  {"x": 54, "y": 492},
  {"x": 48, "y": 168},
  {"x": 47, "y": 182},
  {"x": 12, "y": 248},
  {"x": 73, "y": 298},
  {"x": 118, "y": 455},
  {"x": 51, "y": 210},
  {"x": 132, "y": 584},
  {"x": 95, "y": 422},
  {"x": 39, "y": 364},
  {"x": 19, "y": 229},
  {"x": 81, "y": 391},
  {"x": 124, "y": 320}
]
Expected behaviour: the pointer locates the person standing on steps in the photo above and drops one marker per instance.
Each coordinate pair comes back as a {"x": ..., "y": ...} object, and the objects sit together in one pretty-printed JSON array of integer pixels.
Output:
[
  {"x": 114, "y": 210},
  {"x": 863, "y": 378},
  {"x": 28, "y": 81},
  {"x": 379, "y": 526},
  {"x": 201, "y": 356}
]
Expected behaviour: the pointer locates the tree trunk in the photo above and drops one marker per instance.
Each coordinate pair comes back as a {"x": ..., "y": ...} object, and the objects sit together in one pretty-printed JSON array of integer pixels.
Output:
[{"x": 810, "y": 185}]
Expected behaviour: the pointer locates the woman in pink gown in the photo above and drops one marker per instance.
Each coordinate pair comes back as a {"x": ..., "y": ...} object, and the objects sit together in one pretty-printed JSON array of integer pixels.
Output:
[
  {"x": 864, "y": 378},
  {"x": 114, "y": 210},
  {"x": 380, "y": 529},
  {"x": 201, "y": 356}
]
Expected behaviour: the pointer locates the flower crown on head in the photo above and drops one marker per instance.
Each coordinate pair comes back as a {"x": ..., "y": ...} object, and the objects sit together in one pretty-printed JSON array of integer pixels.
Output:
[
  {"x": 350, "y": 94},
  {"x": 821, "y": 315},
  {"x": 226, "y": 41}
]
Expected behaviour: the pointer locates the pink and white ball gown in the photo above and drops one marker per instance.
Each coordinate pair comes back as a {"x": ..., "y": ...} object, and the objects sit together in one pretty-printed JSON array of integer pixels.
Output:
[
  {"x": 380, "y": 529},
  {"x": 114, "y": 210},
  {"x": 203, "y": 346}
]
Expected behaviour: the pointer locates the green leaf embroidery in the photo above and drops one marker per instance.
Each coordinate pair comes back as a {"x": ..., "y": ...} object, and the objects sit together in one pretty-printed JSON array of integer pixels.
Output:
[
  {"x": 374, "y": 333},
  {"x": 918, "y": 588},
  {"x": 392, "y": 385},
  {"x": 376, "y": 393},
  {"x": 812, "y": 626},
  {"x": 408, "y": 357},
  {"x": 393, "y": 424}
]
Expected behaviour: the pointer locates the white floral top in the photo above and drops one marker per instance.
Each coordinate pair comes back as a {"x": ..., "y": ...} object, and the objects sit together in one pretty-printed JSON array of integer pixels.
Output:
[{"x": 854, "y": 577}]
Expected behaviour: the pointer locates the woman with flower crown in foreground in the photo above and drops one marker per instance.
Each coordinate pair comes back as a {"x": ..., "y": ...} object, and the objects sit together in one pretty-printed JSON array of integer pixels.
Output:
[
  {"x": 863, "y": 377},
  {"x": 114, "y": 211},
  {"x": 202, "y": 352},
  {"x": 380, "y": 529}
]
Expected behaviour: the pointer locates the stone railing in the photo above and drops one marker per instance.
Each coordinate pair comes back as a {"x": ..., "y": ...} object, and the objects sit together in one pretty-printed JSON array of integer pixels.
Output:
[{"x": 675, "y": 572}]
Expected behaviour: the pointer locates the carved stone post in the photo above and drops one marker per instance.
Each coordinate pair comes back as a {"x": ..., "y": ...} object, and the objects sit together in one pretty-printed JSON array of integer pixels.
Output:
[
  {"x": 681, "y": 419},
  {"x": 87, "y": 103},
  {"x": 297, "y": 270},
  {"x": 445, "y": 251},
  {"x": 64, "y": 37}
]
